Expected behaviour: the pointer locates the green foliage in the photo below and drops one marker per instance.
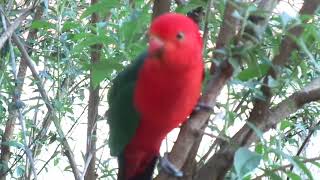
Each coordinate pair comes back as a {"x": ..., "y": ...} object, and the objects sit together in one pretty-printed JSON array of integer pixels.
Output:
[
  {"x": 254, "y": 71},
  {"x": 102, "y": 7},
  {"x": 245, "y": 161}
]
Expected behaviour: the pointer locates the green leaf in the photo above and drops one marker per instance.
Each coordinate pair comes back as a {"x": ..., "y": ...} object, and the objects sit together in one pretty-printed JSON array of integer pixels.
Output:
[
  {"x": 285, "y": 124},
  {"x": 259, "y": 148},
  {"x": 39, "y": 24},
  {"x": 293, "y": 176},
  {"x": 191, "y": 5},
  {"x": 103, "y": 69},
  {"x": 253, "y": 71},
  {"x": 102, "y": 6},
  {"x": 89, "y": 40},
  {"x": 245, "y": 161},
  {"x": 133, "y": 27},
  {"x": 70, "y": 25},
  {"x": 56, "y": 161},
  {"x": 20, "y": 170}
]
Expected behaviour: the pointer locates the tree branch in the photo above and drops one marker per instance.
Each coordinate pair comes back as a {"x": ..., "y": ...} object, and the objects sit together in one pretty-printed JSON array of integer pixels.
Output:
[
  {"x": 90, "y": 172},
  {"x": 160, "y": 7}
]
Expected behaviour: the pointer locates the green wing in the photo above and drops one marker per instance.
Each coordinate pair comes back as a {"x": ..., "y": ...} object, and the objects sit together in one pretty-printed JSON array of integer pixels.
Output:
[{"x": 123, "y": 119}]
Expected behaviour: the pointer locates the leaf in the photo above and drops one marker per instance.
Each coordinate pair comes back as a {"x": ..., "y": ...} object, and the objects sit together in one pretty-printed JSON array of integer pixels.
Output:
[
  {"x": 103, "y": 69},
  {"x": 259, "y": 148},
  {"x": 191, "y": 5},
  {"x": 39, "y": 24},
  {"x": 133, "y": 27},
  {"x": 285, "y": 124},
  {"x": 56, "y": 161},
  {"x": 245, "y": 161},
  {"x": 91, "y": 40},
  {"x": 293, "y": 176},
  {"x": 254, "y": 71},
  {"x": 70, "y": 25},
  {"x": 67, "y": 168},
  {"x": 102, "y": 6},
  {"x": 20, "y": 170}
]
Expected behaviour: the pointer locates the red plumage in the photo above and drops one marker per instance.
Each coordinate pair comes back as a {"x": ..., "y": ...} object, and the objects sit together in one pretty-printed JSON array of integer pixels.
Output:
[{"x": 167, "y": 89}]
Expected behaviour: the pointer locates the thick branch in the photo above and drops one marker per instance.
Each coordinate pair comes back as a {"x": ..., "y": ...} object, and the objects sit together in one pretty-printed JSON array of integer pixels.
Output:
[
  {"x": 160, "y": 7},
  {"x": 90, "y": 174}
]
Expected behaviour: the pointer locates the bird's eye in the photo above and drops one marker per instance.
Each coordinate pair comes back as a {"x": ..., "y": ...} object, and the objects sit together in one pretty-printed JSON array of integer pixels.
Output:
[{"x": 180, "y": 36}]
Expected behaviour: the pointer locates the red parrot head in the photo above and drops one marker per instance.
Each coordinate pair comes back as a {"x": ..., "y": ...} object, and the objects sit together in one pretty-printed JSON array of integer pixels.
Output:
[{"x": 175, "y": 39}]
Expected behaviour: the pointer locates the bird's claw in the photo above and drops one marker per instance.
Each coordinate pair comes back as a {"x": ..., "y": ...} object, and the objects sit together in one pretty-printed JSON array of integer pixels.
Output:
[
  {"x": 205, "y": 107},
  {"x": 168, "y": 167}
]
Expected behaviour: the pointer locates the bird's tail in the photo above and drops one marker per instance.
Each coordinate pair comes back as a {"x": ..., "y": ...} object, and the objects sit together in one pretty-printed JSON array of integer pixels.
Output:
[{"x": 146, "y": 174}]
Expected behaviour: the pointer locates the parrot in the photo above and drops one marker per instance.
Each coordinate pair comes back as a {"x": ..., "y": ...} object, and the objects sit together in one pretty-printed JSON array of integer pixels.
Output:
[{"x": 154, "y": 94}]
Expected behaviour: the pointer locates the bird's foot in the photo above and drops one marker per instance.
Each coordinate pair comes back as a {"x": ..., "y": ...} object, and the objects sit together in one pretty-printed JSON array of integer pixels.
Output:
[
  {"x": 168, "y": 167},
  {"x": 203, "y": 106}
]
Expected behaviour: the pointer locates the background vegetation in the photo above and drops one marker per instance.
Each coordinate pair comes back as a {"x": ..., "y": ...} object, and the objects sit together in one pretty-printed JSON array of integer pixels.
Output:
[{"x": 58, "y": 58}]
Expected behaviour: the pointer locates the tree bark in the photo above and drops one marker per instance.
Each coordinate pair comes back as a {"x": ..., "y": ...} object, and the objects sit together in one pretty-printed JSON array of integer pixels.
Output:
[
  {"x": 93, "y": 109},
  {"x": 160, "y": 7}
]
